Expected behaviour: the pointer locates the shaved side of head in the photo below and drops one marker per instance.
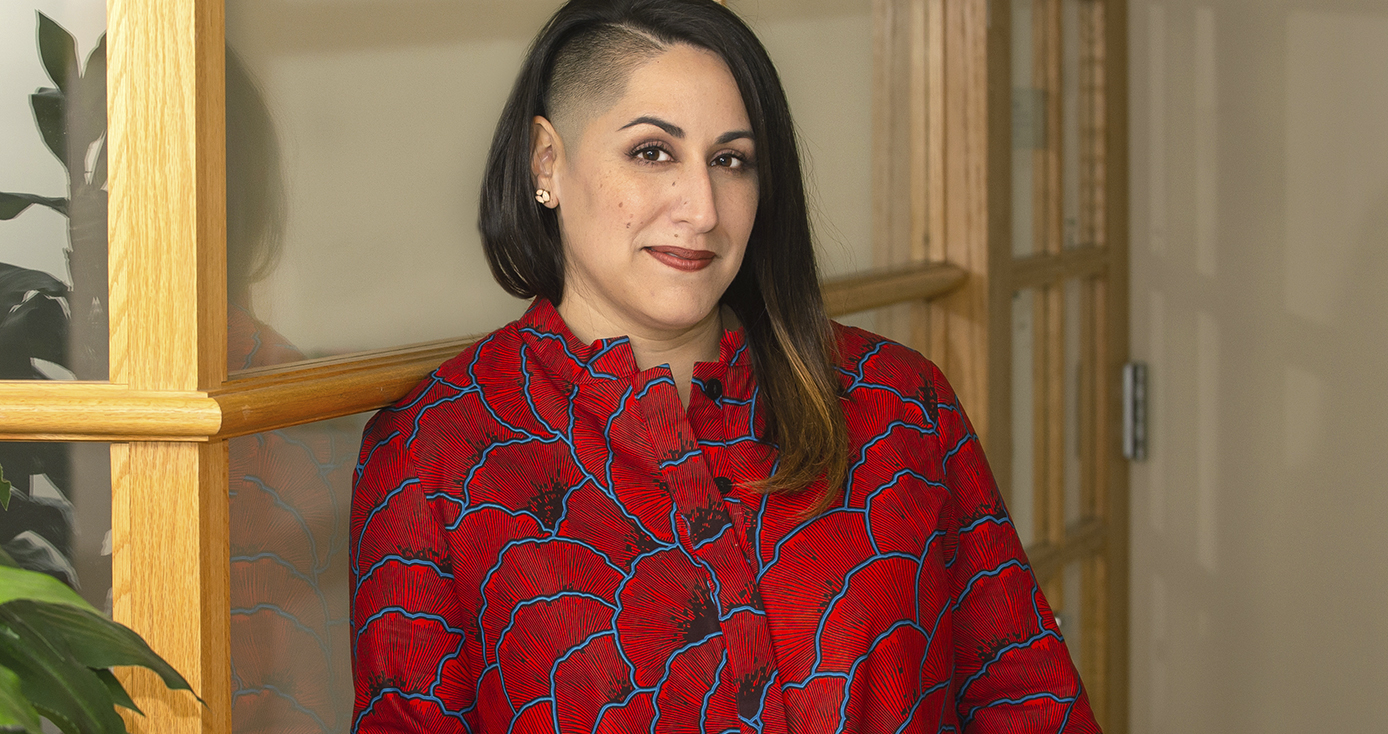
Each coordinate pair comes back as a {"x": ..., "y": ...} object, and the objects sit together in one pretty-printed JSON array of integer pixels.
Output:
[{"x": 590, "y": 75}]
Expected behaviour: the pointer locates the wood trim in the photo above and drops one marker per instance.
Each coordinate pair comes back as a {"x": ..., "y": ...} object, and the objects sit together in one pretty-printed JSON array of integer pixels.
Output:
[
  {"x": 1039, "y": 271},
  {"x": 960, "y": 338},
  {"x": 1086, "y": 539},
  {"x": 168, "y": 300},
  {"x": 171, "y": 579},
  {"x": 887, "y": 286},
  {"x": 103, "y": 412},
  {"x": 310, "y": 391},
  {"x": 1116, "y": 325}
]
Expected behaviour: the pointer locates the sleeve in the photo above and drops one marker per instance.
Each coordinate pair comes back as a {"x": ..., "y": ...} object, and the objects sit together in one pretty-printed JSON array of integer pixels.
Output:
[
  {"x": 1012, "y": 670},
  {"x": 407, "y": 627}
]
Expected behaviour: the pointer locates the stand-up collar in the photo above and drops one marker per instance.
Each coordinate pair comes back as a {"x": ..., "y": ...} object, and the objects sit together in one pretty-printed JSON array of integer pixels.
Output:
[{"x": 550, "y": 340}]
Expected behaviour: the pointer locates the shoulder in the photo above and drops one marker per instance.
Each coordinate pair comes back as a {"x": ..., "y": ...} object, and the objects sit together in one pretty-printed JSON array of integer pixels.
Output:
[
  {"x": 441, "y": 391},
  {"x": 869, "y": 361}
]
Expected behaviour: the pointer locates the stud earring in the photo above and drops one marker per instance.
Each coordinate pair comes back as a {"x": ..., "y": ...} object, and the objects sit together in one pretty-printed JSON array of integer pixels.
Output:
[{"x": 542, "y": 196}]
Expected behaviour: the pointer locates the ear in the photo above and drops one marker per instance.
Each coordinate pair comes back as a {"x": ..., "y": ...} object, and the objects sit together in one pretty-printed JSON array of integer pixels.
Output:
[{"x": 546, "y": 151}]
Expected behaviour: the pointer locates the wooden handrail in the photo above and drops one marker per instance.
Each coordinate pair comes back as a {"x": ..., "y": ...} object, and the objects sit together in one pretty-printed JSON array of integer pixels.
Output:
[
  {"x": 878, "y": 288},
  {"x": 303, "y": 392}
]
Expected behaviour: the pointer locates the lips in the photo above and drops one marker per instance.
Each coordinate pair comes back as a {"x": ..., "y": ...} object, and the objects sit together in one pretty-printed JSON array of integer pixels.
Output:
[{"x": 681, "y": 259}]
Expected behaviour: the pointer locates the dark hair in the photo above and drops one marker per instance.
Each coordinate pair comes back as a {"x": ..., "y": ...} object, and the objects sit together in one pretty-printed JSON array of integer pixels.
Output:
[
  {"x": 776, "y": 292},
  {"x": 255, "y": 183}
]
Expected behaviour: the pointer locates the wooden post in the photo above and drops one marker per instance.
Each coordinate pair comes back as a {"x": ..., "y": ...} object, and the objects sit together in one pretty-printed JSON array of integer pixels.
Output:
[{"x": 168, "y": 333}]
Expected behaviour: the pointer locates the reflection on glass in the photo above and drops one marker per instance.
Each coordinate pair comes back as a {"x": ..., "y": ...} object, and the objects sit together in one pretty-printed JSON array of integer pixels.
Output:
[
  {"x": 59, "y": 518},
  {"x": 53, "y": 277},
  {"x": 1022, "y": 503},
  {"x": 52, "y": 191},
  {"x": 290, "y": 644},
  {"x": 289, "y": 495},
  {"x": 356, "y": 145}
]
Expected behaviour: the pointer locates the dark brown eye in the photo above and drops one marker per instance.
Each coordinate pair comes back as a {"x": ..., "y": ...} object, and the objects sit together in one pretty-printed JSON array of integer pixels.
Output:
[{"x": 653, "y": 154}]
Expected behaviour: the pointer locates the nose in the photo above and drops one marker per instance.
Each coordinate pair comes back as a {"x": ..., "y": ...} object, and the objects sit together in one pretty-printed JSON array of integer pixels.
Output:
[{"x": 695, "y": 201}]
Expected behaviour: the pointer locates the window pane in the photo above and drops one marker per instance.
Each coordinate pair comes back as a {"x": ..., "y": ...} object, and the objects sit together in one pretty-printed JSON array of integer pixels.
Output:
[
  {"x": 823, "y": 52},
  {"x": 290, "y": 647},
  {"x": 356, "y": 135},
  {"x": 59, "y": 519},
  {"x": 1022, "y": 502},
  {"x": 53, "y": 176}
]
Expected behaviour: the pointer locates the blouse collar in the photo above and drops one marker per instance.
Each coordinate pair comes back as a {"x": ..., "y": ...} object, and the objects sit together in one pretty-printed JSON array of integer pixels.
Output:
[{"x": 547, "y": 337}]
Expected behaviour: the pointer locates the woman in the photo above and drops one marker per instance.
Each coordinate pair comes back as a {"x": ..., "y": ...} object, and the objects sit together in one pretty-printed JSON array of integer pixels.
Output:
[{"x": 673, "y": 496}]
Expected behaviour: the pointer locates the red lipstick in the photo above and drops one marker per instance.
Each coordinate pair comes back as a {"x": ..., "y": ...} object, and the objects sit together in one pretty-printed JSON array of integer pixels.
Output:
[{"x": 681, "y": 259}]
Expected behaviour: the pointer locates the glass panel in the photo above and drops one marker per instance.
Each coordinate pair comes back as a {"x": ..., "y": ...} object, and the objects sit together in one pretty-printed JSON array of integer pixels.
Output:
[
  {"x": 52, "y": 190},
  {"x": 353, "y": 172},
  {"x": 1022, "y": 502},
  {"x": 1072, "y": 121},
  {"x": 290, "y": 647},
  {"x": 823, "y": 52},
  {"x": 1028, "y": 129},
  {"x": 356, "y": 143},
  {"x": 59, "y": 519},
  {"x": 1075, "y": 399}
]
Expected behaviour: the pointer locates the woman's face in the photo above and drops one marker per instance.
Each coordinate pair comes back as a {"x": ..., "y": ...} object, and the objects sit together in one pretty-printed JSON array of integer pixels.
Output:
[{"x": 656, "y": 197}]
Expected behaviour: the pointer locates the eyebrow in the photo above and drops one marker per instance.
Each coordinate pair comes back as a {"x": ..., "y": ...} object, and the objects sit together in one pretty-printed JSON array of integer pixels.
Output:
[{"x": 676, "y": 131}]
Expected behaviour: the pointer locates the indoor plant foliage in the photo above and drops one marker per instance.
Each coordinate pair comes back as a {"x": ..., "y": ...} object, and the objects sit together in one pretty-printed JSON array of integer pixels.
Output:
[
  {"x": 41, "y": 318},
  {"x": 56, "y": 652}
]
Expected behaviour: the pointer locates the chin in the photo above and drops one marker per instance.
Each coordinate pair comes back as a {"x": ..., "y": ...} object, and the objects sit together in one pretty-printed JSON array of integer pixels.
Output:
[{"x": 675, "y": 311}]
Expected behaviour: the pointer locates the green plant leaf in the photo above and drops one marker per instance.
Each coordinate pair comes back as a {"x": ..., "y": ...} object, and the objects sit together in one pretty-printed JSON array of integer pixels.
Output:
[
  {"x": 62, "y": 689},
  {"x": 5, "y": 488},
  {"x": 6, "y": 561},
  {"x": 117, "y": 691},
  {"x": 58, "y": 50},
  {"x": 11, "y": 205},
  {"x": 94, "y": 640},
  {"x": 16, "y": 713},
  {"x": 18, "y": 584},
  {"x": 50, "y": 113}
]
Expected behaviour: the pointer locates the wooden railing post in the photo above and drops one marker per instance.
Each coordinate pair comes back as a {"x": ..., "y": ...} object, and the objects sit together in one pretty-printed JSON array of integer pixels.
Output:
[{"x": 170, "y": 569}]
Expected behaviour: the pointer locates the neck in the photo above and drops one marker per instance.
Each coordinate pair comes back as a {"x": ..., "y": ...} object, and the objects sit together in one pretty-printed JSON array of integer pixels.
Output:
[{"x": 678, "y": 348}]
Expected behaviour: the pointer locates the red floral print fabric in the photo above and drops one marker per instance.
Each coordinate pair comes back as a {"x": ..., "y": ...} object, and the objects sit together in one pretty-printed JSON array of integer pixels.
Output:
[{"x": 544, "y": 539}]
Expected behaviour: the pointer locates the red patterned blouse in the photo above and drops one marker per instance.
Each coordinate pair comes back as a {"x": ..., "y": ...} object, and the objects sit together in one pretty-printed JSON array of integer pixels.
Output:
[{"x": 544, "y": 539}]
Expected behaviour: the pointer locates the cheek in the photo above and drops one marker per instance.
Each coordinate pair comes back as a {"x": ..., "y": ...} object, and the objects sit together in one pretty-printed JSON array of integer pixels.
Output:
[{"x": 738, "y": 210}]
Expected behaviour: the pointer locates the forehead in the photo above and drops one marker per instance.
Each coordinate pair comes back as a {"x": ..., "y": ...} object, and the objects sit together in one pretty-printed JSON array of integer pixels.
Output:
[{"x": 690, "y": 87}]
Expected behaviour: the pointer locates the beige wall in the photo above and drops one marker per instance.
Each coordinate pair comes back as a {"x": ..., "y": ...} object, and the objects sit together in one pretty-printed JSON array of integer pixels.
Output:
[
  {"x": 385, "y": 111},
  {"x": 1260, "y": 300}
]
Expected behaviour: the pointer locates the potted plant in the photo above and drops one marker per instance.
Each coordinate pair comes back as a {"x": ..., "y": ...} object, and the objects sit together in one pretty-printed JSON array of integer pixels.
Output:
[{"x": 56, "y": 652}]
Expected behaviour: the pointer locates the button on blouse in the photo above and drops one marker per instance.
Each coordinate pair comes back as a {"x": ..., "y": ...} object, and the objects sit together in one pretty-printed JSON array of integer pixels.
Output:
[{"x": 545, "y": 539}]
